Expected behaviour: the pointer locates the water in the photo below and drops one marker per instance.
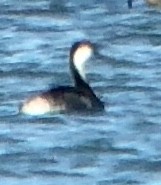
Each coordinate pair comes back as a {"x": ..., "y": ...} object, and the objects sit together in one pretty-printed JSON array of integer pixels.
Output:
[{"x": 120, "y": 146}]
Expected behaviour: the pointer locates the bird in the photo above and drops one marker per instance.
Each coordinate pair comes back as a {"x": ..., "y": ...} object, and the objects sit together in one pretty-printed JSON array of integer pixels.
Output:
[
  {"x": 77, "y": 98},
  {"x": 156, "y": 3}
]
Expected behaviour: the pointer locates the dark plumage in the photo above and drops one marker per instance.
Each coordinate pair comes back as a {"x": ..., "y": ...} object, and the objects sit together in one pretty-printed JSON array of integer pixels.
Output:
[{"x": 66, "y": 98}]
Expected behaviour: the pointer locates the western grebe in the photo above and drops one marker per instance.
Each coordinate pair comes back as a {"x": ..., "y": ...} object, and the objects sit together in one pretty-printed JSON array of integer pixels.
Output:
[
  {"x": 149, "y": 2},
  {"x": 154, "y": 2},
  {"x": 80, "y": 97}
]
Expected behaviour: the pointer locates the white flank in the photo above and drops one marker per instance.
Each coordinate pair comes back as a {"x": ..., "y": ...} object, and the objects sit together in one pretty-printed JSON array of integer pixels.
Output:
[
  {"x": 36, "y": 106},
  {"x": 82, "y": 54}
]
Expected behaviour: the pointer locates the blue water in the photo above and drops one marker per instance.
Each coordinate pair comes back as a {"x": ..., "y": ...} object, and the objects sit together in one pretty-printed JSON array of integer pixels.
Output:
[{"x": 118, "y": 147}]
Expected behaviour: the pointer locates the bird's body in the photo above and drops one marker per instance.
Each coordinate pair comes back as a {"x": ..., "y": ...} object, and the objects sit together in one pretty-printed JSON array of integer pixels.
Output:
[
  {"x": 154, "y": 2},
  {"x": 80, "y": 97}
]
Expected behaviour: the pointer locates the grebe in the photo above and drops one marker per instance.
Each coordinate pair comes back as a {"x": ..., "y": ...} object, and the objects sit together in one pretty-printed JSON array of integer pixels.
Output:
[
  {"x": 154, "y": 2},
  {"x": 66, "y": 98},
  {"x": 149, "y": 2}
]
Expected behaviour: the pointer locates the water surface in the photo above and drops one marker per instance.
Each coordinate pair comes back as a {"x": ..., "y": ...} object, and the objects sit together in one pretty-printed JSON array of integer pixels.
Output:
[{"x": 120, "y": 146}]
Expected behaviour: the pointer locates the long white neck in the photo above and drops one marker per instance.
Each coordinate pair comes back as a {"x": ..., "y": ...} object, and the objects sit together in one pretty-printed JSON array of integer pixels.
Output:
[
  {"x": 80, "y": 67},
  {"x": 80, "y": 57}
]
